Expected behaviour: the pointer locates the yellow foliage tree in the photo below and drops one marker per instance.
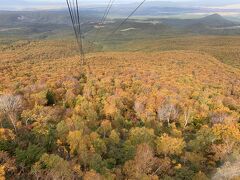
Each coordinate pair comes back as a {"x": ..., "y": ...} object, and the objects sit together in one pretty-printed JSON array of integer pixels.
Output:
[
  {"x": 114, "y": 136},
  {"x": 6, "y": 134},
  {"x": 142, "y": 165},
  {"x": 92, "y": 175},
  {"x": 110, "y": 106},
  {"x": 229, "y": 134},
  {"x": 106, "y": 127},
  {"x": 169, "y": 145},
  {"x": 78, "y": 144},
  {"x": 141, "y": 135},
  {"x": 2, "y": 173}
]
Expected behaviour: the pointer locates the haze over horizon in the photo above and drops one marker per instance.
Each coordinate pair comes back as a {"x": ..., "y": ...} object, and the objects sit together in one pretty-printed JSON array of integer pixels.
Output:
[{"x": 59, "y": 4}]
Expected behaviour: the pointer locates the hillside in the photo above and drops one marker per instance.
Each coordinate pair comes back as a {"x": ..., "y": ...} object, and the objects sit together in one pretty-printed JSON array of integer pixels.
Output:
[
  {"x": 38, "y": 52},
  {"x": 178, "y": 110},
  {"x": 225, "y": 48},
  {"x": 60, "y": 17},
  {"x": 57, "y": 24},
  {"x": 216, "y": 20}
]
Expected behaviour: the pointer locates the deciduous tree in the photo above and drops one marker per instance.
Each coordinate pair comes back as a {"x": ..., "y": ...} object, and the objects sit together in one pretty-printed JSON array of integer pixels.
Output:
[
  {"x": 11, "y": 105},
  {"x": 169, "y": 145}
]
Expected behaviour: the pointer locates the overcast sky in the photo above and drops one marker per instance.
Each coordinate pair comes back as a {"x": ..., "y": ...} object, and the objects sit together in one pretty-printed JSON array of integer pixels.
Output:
[{"x": 56, "y": 4}]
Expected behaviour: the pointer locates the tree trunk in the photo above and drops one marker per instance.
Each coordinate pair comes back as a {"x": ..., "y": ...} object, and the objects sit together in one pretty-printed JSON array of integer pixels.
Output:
[{"x": 13, "y": 120}]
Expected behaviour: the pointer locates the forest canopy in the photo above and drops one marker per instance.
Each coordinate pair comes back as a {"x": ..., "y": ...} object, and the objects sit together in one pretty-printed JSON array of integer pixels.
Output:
[{"x": 168, "y": 115}]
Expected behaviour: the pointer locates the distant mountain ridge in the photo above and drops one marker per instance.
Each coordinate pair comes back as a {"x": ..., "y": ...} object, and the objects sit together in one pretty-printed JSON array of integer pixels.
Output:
[
  {"x": 45, "y": 23},
  {"x": 215, "y": 20},
  {"x": 62, "y": 17}
]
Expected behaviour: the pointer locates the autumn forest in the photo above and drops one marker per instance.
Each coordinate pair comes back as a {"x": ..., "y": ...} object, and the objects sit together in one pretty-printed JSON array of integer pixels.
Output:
[{"x": 145, "y": 109}]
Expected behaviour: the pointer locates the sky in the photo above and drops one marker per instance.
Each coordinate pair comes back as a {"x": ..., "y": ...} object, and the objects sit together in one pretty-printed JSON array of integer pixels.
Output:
[{"x": 58, "y": 4}]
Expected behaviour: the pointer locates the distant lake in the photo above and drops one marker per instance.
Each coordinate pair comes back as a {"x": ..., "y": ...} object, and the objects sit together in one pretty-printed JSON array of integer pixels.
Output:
[
  {"x": 9, "y": 29},
  {"x": 229, "y": 28}
]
